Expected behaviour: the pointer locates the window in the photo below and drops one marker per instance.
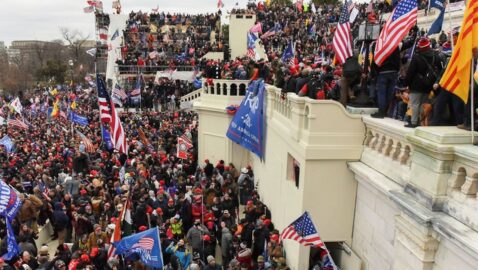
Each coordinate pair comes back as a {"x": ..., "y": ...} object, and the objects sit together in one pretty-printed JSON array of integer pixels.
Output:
[{"x": 293, "y": 170}]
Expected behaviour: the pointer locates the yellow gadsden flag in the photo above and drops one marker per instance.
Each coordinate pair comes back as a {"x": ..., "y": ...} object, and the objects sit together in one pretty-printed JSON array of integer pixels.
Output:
[{"x": 456, "y": 78}]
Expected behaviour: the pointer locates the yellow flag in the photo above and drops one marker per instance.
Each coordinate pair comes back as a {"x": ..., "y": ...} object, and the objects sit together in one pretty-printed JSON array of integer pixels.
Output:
[
  {"x": 154, "y": 28},
  {"x": 54, "y": 92},
  {"x": 456, "y": 78},
  {"x": 56, "y": 108},
  {"x": 73, "y": 105},
  {"x": 268, "y": 2}
]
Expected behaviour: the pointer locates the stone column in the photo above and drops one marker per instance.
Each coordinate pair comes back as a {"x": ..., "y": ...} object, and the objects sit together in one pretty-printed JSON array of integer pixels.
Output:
[{"x": 415, "y": 244}]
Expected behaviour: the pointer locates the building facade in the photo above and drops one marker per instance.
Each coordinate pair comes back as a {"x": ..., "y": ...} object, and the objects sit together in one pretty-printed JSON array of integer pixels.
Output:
[{"x": 382, "y": 196}]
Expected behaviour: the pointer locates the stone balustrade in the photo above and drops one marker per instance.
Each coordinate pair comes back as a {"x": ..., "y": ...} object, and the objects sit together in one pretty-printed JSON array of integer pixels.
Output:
[
  {"x": 386, "y": 148},
  {"x": 192, "y": 96},
  {"x": 225, "y": 87},
  {"x": 462, "y": 201}
]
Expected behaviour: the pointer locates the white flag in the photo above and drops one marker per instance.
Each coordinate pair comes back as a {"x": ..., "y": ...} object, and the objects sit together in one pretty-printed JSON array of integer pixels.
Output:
[
  {"x": 16, "y": 105},
  {"x": 91, "y": 52}
]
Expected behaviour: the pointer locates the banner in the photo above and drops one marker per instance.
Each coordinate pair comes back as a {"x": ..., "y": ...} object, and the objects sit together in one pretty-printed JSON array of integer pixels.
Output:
[
  {"x": 146, "y": 245},
  {"x": 9, "y": 205},
  {"x": 9, "y": 201},
  {"x": 106, "y": 138},
  {"x": 12, "y": 247},
  {"x": 78, "y": 119},
  {"x": 7, "y": 142},
  {"x": 247, "y": 126},
  {"x": 184, "y": 144},
  {"x": 455, "y": 6}
]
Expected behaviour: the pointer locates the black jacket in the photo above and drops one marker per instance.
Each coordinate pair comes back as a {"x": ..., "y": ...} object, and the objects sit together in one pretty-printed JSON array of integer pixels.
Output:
[{"x": 418, "y": 68}]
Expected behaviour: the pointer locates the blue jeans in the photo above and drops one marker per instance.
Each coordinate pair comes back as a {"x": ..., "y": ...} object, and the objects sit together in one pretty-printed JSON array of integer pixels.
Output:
[{"x": 385, "y": 89}]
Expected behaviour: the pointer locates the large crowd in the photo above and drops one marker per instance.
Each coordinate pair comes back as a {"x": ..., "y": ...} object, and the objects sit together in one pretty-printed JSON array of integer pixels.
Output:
[
  {"x": 159, "y": 40},
  {"x": 393, "y": 87},
  {"x": 208, "y": 212}
]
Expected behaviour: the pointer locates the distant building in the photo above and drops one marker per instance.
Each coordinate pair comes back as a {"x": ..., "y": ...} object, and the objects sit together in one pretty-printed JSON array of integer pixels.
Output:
[
  {"x": 13, "y": 55},
  {"x": 2, "y": 46}
]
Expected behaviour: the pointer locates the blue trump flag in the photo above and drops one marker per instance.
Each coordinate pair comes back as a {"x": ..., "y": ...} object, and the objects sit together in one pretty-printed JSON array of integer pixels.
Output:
[
  {"x": 437, "y": 24},
  {"x": 288, "y": 52},
  {"x": 247, "y": 126},
  {"x": 7, "y": 142},
  {"x": 12, "y": 246},
  {"x": 9, "y": 205},
  {"x": 106, "y": 138},
  {"x": 145, "y": 246},
  {"x": 438, "y": 4},
  {"x": 78, "y": 119}
]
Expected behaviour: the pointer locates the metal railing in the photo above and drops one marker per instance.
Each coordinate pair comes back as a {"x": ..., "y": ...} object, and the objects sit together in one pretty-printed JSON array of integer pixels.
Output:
[{"x": 133, "y": 69}]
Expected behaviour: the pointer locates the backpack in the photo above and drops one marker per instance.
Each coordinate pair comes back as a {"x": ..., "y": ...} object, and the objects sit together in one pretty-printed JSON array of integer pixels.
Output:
[{"x": 431, "y": 76}]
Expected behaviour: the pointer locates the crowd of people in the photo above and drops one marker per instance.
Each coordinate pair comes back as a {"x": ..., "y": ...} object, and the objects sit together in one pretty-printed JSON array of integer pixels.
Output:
[
  {"x": 157, "y": 40},
  {"x": 207, "y": 213},
  {"x": 313, "y": 71}
]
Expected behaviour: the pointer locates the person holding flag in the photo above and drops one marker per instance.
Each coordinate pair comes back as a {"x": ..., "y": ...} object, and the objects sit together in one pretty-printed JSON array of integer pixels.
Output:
[{"x": 461, "y": 67}]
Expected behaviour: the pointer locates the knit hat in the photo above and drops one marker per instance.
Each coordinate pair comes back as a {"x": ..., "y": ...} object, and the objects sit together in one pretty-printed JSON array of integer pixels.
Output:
[
  {"x": 210, "y": 258},
  {"x": 423, "y": 44}
]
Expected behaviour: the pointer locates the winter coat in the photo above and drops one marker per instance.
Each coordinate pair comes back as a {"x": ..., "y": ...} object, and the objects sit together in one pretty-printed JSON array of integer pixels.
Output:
[
  {"x": 194, "y": 236},
  {"x": 183, "y": 255},
  {"x": 226, "y": 241},
  {"x": 60, "y": 218},
  {"x": 418, "y": 68}
]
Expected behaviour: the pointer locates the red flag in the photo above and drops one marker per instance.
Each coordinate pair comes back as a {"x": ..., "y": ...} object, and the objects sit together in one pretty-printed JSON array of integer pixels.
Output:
[
  {"x": 184, "y": 144},
  {"x": 299, "y": 5},
  {"x": 256, "y": 28}
]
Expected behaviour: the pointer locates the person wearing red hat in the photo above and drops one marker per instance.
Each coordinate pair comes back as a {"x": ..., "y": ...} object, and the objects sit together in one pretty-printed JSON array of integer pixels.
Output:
[{"x": 423, "y": 72}]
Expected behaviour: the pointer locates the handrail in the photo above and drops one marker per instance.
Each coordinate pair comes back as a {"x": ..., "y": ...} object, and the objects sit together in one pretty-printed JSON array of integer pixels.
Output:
[{"x": 128, "y": 69}]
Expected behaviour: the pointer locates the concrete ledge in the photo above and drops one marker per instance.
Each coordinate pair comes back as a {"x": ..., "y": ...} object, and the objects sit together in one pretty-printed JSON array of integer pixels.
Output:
[{"x": 358, "y": 110}]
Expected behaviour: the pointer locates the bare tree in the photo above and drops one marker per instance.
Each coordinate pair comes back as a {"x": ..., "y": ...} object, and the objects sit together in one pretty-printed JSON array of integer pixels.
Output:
[{"x": 75, "y": 40}]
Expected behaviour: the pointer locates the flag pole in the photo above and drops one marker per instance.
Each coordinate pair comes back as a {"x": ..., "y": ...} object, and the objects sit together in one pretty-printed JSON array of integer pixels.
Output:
[
  {"x": 472, "y": 102},
  {"x": 451, "y": 29}
]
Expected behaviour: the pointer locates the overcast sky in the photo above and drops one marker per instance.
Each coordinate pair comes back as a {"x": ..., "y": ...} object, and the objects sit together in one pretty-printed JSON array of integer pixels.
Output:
[{"x": 41, "y": 19}]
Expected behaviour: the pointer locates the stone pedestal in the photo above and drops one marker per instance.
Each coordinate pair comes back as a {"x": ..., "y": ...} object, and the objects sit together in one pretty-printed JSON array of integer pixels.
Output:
[{"x": 415, "y": 244}]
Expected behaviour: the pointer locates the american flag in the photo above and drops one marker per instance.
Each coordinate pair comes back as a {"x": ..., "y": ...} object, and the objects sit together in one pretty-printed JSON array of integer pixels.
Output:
[
  {"x": 146, "y": 243},
  {"x": 342, "y": 42},
  {"x": 62, "y": 114},
  {"x": 137, "y": 87},
  {"x": 289, "y": 56},
  {"x": 108, "y": 114},
  {"x": 103, "y": 34},
  {"x": 251, "y": 45},
  {"x": 118, "y": 91},
  {"x": 303, "y": 231},
  {"x": 90, "y": 148},
  {"x": 17, "y": 123},
  {"x": 187, "y": 141},
  {"x": 403, "y": 18}
]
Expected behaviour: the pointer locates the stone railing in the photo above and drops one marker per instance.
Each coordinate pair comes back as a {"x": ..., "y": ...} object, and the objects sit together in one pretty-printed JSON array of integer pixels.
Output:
[
  {"x": 386, "y": 148},
  {"x": 280, "y": 103},
  {"x": 463, "y": 186},
  {"x": 192, "y": 96},
  {"x": 187, "y": 100},
  {"x": 315, "y": 122},
  {"x": 225, "y": 87}
]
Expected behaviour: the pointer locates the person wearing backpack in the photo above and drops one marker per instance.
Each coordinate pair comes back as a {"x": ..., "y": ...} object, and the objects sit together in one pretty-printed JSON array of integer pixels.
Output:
[{"x": 423, "y": 72}]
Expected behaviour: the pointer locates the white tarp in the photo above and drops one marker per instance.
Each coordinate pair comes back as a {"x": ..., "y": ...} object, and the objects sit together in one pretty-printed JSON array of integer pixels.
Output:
[{"x": 175, "y": 75}]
